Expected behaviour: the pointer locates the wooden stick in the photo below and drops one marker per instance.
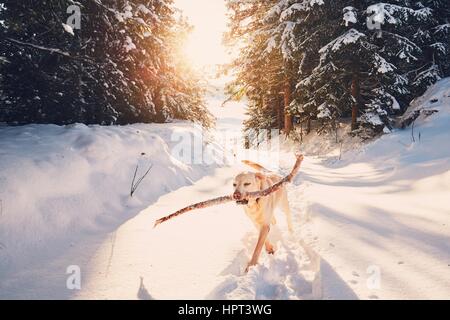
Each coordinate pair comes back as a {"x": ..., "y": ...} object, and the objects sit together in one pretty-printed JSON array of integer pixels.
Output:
[
  {"x": 203, "y": 204},
  {"x": 225, "y": 199},
  {"x": 278, "y": 185}
]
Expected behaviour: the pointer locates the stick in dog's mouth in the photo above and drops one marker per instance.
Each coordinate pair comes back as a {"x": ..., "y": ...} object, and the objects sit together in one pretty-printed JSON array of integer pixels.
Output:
[
  {"x": 242, "y": 202},
  {"x": 250, "y": 195}
]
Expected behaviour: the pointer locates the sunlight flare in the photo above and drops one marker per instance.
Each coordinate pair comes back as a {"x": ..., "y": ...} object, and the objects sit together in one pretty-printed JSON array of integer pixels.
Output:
[{"x": 203, "y": 47}]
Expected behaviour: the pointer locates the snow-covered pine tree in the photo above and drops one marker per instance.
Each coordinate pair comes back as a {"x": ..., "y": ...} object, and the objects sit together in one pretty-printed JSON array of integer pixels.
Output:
[
  {"x": 300, "y": 45},
  {"x": 361, "y": 72},
  {"x": 31, "y": 74},
  {"x": 283, "y": 23},
  {"x": 266, "y": 67},
  {"x": 434, "y": 39},
  {"x": 120, "y": 67},
  {"x": 341, "y": 66},
  {"x": 258, "y": 72}
]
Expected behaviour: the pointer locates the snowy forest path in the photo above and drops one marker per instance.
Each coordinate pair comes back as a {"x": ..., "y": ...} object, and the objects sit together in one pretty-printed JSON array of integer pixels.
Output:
[
  {"x": 200, "y": 255},
  {"x": 373, "y": 225},
  {"x": 203, "y": 253}
]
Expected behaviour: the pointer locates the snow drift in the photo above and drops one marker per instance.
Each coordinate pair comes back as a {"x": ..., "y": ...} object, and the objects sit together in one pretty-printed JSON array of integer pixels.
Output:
[
  {"x": 380, "y": 216},
  {"x": 61, "y": 183}
]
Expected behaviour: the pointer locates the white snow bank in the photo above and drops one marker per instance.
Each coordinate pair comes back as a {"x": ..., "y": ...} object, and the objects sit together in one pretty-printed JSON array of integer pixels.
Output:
[
  {"x": 381, "y": 214},
  {"x": 428, "y": 140},
  {"x": 59, "y": 184}
]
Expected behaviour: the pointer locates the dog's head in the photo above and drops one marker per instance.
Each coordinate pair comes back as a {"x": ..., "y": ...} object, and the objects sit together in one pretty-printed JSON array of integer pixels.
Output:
[{"x": 244, "y": 183}]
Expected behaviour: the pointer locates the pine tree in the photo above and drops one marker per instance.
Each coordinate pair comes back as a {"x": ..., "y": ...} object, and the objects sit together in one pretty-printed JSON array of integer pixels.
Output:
[
  {"x": 434, "y": 39},
  {"x": 365, "y": 68},
  {"x": 265, "y": 67},
  {"x": 258, "y": 73},
  {"x": 329, "y": 62},
  {"x": 119, "y": 68}
]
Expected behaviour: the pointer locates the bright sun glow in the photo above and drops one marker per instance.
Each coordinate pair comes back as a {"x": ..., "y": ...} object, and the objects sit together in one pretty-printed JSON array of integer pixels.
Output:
[{"x": 204, "y": 47}]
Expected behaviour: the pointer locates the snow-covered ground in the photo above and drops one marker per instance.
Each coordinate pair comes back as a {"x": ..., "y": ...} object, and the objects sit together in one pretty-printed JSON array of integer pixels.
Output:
[
  {"x": 62, "y": 185},
  {"x": 373, "y": 225},
  {"x": 385, "y": 209}
]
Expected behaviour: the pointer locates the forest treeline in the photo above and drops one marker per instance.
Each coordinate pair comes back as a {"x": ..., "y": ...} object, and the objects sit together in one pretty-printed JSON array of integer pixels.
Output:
[
  {"x": 332, "y": 62},
  {"x": 314, "y": 63},
  {"x": 120, "y": 65}
]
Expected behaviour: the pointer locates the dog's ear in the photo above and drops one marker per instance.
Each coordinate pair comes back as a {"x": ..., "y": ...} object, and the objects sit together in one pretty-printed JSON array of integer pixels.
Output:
[
  {"x": 260, "y": 179},
  {"x": 259, "y": 176}
]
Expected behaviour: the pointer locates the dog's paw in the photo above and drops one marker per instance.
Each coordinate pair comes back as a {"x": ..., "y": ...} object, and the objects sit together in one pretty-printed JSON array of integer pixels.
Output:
[
  {"x": 249, "y": 265},
  {"x": 270, "y": 249}
]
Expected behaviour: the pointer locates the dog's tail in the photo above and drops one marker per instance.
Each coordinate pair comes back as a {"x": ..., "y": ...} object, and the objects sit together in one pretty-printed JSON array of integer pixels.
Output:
[{"x": 255, "y": 165}]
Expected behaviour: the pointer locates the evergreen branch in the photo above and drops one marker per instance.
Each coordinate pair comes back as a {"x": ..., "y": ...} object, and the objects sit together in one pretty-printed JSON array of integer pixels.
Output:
[
  {"x": 50, "y": 50},
  {"x": 234, "y": 95},
  {"x": 409, "y": 42}
]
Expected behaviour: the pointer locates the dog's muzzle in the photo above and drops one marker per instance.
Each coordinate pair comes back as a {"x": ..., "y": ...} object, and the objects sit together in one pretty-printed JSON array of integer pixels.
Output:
[{"x": 238, "y": 197}]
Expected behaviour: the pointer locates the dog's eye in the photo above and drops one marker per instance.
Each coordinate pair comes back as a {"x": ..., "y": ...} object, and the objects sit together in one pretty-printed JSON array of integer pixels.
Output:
[
  {"x": 247, "y": 184},
  {"x": 234, "y": 184}
]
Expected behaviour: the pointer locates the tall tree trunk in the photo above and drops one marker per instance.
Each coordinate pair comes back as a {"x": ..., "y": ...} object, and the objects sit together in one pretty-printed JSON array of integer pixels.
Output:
[
  {"x": 301, "y": 131},
  {"x": 279, "y": 108},
  {"x": 356, "y": 94},
  {"x": 308, "y": 126},
  {"x": 287, "y": 102}
]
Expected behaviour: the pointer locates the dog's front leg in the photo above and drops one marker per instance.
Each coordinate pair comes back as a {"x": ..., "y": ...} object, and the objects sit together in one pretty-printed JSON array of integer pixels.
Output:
[{"x": 263, "y": 232}]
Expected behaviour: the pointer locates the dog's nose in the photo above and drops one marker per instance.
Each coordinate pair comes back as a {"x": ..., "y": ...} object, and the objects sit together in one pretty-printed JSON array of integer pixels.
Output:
[{"x": 237, "y": 195}]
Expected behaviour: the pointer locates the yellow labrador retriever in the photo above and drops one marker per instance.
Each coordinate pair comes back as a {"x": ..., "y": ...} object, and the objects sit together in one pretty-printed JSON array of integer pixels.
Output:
[{"x": 261, "y": 210}]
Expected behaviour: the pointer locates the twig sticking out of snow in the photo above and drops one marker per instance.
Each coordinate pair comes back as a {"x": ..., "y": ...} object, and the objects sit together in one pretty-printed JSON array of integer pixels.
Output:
[
  {"x": 134, "y": 186},
  {"x": 412, "y": 131},
  {"x": 225, "y": 199}
]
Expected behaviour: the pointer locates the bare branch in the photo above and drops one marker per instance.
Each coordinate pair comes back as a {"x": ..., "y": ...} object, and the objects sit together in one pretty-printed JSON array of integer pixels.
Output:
[
  {"x": 199, "y": 205},
  {"x": 132, "y": 181}
]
